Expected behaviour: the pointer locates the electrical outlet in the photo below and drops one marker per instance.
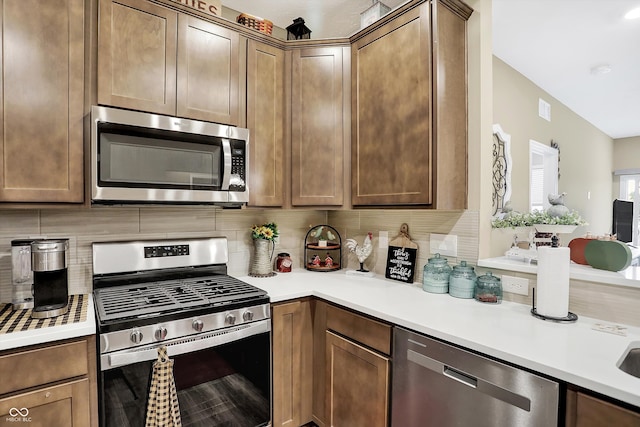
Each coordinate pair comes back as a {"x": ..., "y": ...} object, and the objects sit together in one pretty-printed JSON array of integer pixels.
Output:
[
  {"x": 515, "y": 285},
  {"x": 444, "y": 244},
  {"x": 383, "y": 239}
]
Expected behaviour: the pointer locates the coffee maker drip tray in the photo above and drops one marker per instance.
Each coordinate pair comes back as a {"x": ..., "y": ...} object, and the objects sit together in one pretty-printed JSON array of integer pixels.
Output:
[{"x": 21, "y": 320}]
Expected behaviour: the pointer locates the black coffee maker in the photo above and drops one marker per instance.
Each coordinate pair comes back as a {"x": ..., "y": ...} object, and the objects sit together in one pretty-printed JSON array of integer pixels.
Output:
[{"x": 49, "y": 262}]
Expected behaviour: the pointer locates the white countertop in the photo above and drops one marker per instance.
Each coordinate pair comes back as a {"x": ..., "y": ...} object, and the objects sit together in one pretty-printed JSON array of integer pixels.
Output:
[
  {"x": 53, "y": 333},
  {"x": 629, "y": 277},
  {"x": 573, "y": 352}
]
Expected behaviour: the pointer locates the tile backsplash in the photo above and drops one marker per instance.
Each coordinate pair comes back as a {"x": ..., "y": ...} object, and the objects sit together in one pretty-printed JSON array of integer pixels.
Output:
[
  {"x": 99, "y": 224},
  {"x": 84, "y": 226}
]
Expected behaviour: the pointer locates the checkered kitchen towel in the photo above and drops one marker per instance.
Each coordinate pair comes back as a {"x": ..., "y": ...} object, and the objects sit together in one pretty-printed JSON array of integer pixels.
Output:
[{"x": 162, "y": 406}]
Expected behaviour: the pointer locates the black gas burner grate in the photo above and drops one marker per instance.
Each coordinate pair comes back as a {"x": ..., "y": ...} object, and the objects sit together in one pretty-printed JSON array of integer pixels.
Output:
[{"x": 121, "y": 302}]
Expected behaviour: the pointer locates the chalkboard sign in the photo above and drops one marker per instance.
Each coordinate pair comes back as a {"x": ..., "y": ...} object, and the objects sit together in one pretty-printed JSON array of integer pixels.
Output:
[
  {"x": 401, "y": 263},
  {"x": 401, "y": 257}
]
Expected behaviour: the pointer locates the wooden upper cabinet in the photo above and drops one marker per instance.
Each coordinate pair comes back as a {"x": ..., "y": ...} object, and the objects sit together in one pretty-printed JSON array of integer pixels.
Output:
[
  {"x": 318, "y": 122},
  {"x": 409, "y": 102},
  {"x": 137, "y": 56},
  {"x": 265, "y": 120},
  {"x": 154, "y": 59},
  {"x": 42, "y": 101},
  {"x": 391, "y": 90},
  {"x": 450, "y": 174},
  {"x": 208, "y": 71}
]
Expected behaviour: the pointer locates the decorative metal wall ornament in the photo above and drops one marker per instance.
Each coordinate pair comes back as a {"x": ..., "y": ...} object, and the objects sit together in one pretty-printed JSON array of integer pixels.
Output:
[
  {"x": 502, "y": 165},
  {"x": 557, "y": 147}
]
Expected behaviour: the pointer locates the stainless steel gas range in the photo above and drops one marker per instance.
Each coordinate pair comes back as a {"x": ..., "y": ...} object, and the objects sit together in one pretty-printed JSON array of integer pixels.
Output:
[{"x": 216, "y": 328}]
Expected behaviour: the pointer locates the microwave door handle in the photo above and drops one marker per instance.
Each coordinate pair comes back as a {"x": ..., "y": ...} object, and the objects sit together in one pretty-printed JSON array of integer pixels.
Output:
[{"x": 226, "y": 160}]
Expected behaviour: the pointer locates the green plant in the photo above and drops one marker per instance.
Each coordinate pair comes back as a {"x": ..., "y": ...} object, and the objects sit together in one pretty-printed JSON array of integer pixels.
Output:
[
  {"x": 268, "y": 231},
  {"x": 516, "y": 219}
]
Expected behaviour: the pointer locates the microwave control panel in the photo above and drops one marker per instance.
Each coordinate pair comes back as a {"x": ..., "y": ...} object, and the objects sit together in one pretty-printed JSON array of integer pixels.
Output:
[{"x": 238, "y": 166}]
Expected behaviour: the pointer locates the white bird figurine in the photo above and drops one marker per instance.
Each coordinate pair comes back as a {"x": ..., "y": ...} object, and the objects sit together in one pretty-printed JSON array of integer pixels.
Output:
[
  {"x": 557, "y": 208},
  {"x": 362, "y": 252},
  {"x": 556, "y": 199}
]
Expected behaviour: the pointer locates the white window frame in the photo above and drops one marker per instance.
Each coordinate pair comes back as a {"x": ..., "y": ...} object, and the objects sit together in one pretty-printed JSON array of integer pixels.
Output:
[{"x": 550, "y": 167}]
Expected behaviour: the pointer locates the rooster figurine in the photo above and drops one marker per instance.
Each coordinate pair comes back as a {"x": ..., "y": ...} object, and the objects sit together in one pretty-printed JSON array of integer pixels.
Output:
[{"x": 362, "y": 252}]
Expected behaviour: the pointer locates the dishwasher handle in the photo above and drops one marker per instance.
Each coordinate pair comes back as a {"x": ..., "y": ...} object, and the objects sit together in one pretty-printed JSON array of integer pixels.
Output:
[
  {"x": 479, "y": 384},
  {"x": 459, "y": 376}
]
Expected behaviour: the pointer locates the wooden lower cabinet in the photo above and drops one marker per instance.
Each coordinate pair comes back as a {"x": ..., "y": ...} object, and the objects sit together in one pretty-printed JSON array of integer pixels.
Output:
[
  {"x": 63, "y": 405},
  {"x": 292, "y": 353},
  {"x": 584, "y": 410},
  {"x": 330, "y": 366},
  {"x": 357, "y": 384},
  {"x": 50, "y": 385}
]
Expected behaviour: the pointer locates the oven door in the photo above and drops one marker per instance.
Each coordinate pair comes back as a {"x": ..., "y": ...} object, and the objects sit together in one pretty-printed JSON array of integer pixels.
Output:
[{"x": 218, "y": 384}]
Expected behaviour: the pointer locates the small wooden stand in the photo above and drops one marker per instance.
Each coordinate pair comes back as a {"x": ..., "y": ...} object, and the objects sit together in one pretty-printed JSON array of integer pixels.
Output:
[{"x": 324, "y": 242}]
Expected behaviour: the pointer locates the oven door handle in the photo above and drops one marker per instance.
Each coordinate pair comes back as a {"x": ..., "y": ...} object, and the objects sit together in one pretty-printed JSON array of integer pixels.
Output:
[{"x": 183, "y": 345}]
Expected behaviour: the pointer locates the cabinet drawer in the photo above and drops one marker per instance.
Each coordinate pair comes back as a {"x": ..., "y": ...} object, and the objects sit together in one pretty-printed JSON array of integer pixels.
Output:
[
  {"x": 64, "y": 404},
  {"x": 43, "y": 365},
  {"x": 369, "y": 332}
]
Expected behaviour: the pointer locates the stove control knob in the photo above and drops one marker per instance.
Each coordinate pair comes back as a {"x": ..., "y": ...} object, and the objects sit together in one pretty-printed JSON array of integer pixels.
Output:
[
  {"x": 198, "y": 325},
  {"x": 230, "y": 319},
  {"x": 161, "y": 333},
  {"x": 247, "y": 316},
  {"x": 136, "y": 337}
]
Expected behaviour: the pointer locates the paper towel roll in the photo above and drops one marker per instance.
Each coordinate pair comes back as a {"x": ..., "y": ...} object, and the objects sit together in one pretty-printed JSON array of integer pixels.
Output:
[{"x": 552, "y": 290}]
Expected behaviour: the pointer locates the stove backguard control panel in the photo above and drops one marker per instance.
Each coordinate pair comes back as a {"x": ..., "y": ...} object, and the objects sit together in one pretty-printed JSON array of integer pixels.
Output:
[{"x": 165, "y": 251}]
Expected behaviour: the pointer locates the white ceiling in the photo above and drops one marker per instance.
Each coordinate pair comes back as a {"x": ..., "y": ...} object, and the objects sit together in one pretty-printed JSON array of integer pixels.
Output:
[{"x": 554, "y": 43}]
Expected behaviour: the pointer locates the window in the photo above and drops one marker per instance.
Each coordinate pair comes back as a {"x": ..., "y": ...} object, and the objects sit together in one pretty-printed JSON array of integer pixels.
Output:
[{"x": 543, "y": 175}]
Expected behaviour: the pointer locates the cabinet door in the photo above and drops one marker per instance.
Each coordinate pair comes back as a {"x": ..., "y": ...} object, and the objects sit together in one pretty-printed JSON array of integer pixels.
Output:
[
  {"x": 317, "y": 126},
  {"x": 391, "y": 142},
  {"x": 357, "y": 384},
  {"x": 208, "y": 71},
  {"x": 588, "y": 411},
  {"x": 265, "y": 120},
  {"x": 41, "y": 101},
  {"x": 64, "y": 405},
  {"x": 292, "y": 355},
  {"x": 137, "y": 56},
  {"x": 450, "y": 107}
]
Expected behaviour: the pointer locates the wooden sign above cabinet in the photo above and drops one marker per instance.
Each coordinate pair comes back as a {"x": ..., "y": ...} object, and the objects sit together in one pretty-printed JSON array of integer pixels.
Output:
[{"x": 212, "y": 7}]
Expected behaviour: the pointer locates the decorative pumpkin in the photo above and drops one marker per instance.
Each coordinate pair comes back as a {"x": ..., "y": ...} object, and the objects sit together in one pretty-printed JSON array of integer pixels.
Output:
[
  {"x": 609, "y": 255},
  {"x": 576, "y": 246}
]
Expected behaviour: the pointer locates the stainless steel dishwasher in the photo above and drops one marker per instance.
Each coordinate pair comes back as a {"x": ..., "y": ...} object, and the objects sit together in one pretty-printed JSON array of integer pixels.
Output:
[{"x": 435, "y": 384}]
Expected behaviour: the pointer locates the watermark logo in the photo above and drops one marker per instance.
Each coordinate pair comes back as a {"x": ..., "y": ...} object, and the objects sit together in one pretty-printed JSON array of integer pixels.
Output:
[{"x": 18, "y": 415}]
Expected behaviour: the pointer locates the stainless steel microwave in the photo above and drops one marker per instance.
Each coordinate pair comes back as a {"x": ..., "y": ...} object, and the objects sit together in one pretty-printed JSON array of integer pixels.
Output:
[{"x": 147, "y": 158}]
